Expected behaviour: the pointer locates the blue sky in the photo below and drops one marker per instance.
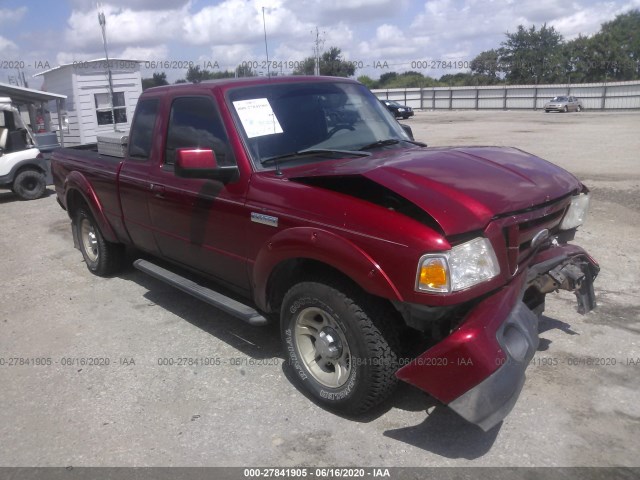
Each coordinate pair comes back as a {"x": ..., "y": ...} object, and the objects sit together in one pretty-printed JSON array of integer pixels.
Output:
[{"x": 380, "y": 35}]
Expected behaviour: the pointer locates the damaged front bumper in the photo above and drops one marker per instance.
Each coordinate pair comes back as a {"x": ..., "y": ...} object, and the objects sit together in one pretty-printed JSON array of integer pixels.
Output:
[{"x": 479, "y": 369}]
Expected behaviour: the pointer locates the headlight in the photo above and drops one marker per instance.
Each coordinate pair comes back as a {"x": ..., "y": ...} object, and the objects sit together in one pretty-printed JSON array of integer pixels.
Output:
[
  {"x": 461, "y": 267},
  {"x": 401, "y": 109},
  {"x": 576, "y": 213}
]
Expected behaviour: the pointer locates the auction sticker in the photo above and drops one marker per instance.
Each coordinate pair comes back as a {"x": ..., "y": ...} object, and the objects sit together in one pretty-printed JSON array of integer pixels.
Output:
[{"x": 257, "y": 117}]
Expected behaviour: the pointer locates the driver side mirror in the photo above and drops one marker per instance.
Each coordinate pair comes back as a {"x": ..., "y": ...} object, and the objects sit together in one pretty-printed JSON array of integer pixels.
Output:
[
  {"x": 202, "y": 163},
  {"x": 407, "y": 130}
]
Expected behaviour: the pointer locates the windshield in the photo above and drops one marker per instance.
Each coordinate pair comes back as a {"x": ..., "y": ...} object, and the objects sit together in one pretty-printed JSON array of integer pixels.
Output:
[
  {"x": 559, "y": 99},
  {"x": 283, "y": 118}
]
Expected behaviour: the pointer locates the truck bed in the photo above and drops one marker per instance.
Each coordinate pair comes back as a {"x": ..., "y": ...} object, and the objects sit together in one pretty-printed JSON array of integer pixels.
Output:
[{"x": 101, "y": 172}]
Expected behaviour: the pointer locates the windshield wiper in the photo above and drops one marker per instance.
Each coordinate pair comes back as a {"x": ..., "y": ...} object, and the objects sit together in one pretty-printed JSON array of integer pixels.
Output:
[
  {"x": 380, "y": 143},
  {"x": 420, "y": 144},
  {"x": 311, "y": 151},
  {"x": 390, "y": 141}
]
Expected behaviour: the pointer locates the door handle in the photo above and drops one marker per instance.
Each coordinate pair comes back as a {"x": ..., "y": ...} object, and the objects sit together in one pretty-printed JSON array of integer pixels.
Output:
[{"x": 157, "y": 190}]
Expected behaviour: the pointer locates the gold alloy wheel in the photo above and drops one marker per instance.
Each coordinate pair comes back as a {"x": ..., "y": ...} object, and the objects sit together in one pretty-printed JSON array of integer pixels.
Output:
[{"x": 323, "y": 347}]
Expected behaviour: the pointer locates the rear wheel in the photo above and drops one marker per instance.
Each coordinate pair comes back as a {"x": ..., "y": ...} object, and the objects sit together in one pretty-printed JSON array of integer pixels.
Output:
[
  {"x": 343, "y": 350},
  {"x": 29, "y": 184},
  {"x": 103, "y": 258},
  {"x": 578, "y": 108}
]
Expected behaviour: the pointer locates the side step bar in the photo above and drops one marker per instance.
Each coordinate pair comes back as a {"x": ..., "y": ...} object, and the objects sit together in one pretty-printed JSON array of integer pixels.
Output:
[{"x": 229, "y": 305}]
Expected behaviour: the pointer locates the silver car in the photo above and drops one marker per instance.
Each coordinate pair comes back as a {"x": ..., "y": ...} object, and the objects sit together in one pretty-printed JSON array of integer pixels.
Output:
[{"x": 564, "y": 103}]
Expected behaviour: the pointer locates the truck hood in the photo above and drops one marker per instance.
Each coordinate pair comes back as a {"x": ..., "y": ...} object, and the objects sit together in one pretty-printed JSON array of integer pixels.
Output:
[{"x": 462, "y": 188}]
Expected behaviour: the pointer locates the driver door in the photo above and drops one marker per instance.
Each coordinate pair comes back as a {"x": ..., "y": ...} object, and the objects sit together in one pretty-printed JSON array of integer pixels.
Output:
[{"x": 199, "y": 223}]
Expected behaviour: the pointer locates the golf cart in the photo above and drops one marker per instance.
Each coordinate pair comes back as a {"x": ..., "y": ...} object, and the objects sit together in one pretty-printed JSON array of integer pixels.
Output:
[{"x": 24, "y": 167}]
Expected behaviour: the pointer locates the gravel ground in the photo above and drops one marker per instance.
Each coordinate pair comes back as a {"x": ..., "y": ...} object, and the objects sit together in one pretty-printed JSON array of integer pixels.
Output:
[{"x": 245, "y": 411}]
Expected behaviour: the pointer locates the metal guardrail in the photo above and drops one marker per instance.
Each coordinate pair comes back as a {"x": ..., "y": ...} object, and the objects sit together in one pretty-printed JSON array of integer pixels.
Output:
[{"x": 594, "y": 96}]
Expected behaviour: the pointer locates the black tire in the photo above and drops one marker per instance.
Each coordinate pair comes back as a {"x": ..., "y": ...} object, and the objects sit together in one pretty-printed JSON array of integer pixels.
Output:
[
  {"x": 364, "y": 340},
  {"x": 565, "y": 109},
  {"x": 29, "y": 184},
  {"x": 578, "y": 109},
  {"x": 103, "y": 258}
]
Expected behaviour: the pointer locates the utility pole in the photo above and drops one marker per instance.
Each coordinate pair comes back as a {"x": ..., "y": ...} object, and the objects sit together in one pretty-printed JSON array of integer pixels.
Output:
[
  {"x": 103, "y": 26},
  {"x": 266, "y": 48},
  {"x": 316, "y": 51}
]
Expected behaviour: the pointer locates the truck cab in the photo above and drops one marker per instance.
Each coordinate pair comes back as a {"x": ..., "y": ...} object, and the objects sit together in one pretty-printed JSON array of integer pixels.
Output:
[{"x": 23, "y": 167}]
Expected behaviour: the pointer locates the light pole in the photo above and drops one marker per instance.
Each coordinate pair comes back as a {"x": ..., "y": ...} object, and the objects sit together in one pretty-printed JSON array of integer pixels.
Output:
[
  {"x": 266, "y": 48},
  {"x": 103, "y": 26}
]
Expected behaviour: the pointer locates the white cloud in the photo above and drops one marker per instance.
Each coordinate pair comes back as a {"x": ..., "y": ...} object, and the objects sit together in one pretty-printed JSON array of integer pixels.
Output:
[
  {"x": 238, "y": 21},
  {"x": 157, "y": 53},
  {"x": 292, "y": 52},
  {"x": 12, "y": 15},
  {"x": 588, "y": 20},
  {"x": 228, "y": 57},
  {"x": 65, "y": 58},
  {"x": 339, "y": 35},
  {"x": 7, "y": 46},
  {"x": 125, "y": 27},
  {"x": 392, "y": 44},
  {"x": 325, "y": 13},
  {"x": 231, "y": 31},
  {"x": 132, "y": 4}
]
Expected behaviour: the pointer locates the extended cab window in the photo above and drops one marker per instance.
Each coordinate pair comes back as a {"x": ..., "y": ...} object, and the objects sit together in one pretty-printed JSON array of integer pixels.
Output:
[
  {"x": 142, "y": 128},
  {"x": 195, "y": 123}
]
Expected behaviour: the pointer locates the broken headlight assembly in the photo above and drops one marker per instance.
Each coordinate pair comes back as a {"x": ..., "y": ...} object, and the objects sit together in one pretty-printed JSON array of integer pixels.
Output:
[
  {"x": 463, "y": 266},
  {"x": 577, "y": 212}
]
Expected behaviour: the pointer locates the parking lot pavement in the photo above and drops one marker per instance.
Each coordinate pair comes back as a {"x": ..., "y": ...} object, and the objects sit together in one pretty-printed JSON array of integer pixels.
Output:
[{"x": 113, "y": 383}]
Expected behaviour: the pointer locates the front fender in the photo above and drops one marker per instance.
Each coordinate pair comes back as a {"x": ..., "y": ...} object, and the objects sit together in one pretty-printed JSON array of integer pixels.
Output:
[
  {"x": 76, "y": 182},
  {"x": 322, "y": 246}
]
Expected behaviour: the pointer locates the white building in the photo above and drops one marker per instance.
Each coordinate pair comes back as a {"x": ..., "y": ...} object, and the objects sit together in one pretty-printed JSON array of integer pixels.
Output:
[{"x": 86, "y": 112}]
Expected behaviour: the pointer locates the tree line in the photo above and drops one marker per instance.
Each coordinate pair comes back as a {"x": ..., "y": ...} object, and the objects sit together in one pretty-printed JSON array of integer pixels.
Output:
[
  {"x": 541, "y": 55},
  {"x": 527, "y": 56}
]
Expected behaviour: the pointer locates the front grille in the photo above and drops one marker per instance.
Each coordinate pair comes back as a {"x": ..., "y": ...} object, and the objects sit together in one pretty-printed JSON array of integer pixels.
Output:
[{"x": 519, "y": 229}]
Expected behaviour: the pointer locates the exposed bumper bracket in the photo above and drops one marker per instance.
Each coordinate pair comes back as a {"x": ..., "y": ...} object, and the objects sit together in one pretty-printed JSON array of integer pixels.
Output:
[{"x": 575, "y": 275}]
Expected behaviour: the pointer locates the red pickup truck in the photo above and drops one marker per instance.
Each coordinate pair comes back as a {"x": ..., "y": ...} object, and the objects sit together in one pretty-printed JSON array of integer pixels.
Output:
[{"x": 382, "y": 258}]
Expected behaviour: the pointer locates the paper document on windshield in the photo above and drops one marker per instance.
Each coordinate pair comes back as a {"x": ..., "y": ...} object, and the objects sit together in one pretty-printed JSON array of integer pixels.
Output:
[{"x": 257, "y": 117}]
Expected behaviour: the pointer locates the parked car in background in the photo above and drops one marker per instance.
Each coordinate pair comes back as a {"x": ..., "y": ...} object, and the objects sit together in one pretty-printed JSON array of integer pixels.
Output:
[
  {"x": 563, "y": 104},
  {"x": 398, "y": 110}
]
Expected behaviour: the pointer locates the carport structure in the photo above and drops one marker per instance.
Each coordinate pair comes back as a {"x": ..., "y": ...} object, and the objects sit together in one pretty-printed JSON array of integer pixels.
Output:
[{"x": 30, "y": 98}]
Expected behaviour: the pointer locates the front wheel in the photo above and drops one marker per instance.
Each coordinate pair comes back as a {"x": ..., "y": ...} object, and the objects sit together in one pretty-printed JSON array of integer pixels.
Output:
[
  {"x": 342, "y": 349},
  {"x": 29, "y": 184},
  {"x": 565, "y": 109},
  {"x": 103, "y": 258}
]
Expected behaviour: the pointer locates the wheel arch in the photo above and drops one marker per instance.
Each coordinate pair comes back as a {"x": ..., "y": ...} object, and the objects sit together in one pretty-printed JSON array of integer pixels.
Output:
[
  {"x": 30, "y": 166},
  {"x": 78, "y": 193},
  {"x": 303, "y": 253}
]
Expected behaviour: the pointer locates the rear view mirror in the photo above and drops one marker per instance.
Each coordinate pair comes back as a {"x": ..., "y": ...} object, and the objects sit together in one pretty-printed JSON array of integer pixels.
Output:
[
  {"x": 202, "y": 163},
  {"x": 407, "y": 130}
]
